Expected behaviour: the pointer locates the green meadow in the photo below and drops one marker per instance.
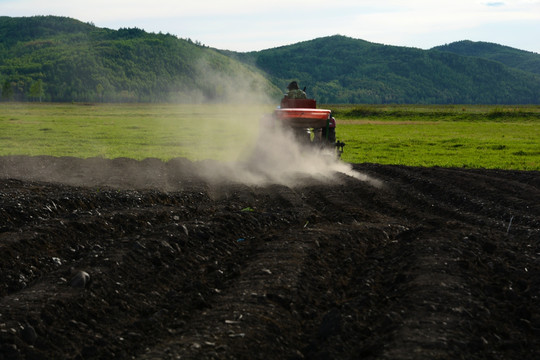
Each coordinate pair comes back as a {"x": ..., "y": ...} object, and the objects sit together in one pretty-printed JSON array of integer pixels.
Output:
[
  {"x": 472, "y": 136},
  {"x": 136, "y": 131}
]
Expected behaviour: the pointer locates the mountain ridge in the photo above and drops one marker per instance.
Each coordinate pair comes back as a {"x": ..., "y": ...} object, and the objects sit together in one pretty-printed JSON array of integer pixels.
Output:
[
  {"x": 63, "y": 59},
  {"x": 342, "y": 69},
  {"x": 520, "y": 59}
]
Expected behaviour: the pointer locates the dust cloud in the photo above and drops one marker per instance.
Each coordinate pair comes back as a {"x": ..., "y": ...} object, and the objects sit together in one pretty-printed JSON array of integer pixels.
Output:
[
  {"x": 266, "y": 154},
  {"x": 279, "y": 158},
  {"x": 238, "y": 85},
  {"x": 258, "y": 154}
]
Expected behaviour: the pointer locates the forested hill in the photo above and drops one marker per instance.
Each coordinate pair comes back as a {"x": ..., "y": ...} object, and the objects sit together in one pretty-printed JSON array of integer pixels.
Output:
[
  {"x": 519, "y": 59},
  {"x": 61, "y": 59},
  {"x": 339, "y": 69},
  {"x": 52, "y": 58}
]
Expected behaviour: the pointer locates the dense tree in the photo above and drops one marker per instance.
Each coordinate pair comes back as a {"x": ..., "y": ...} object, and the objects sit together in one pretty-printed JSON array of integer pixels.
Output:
[
  {"x": 7, "y": 91},
  {"x": 338, "y": 69},
  {"x": 519, "y": 59},
  {"x": 80, "y": 62},
  {"x": 37, "y": 90}
]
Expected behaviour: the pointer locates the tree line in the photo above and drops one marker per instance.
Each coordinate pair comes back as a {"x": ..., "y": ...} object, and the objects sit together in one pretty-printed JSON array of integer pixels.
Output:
[
  {"x": 61, "y": 59},
  {"x": 339, "y": 69},
  {"x": 48, "y": 58}
]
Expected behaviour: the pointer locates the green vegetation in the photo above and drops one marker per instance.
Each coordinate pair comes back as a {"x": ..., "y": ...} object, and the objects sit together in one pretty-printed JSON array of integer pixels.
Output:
[
  {"x": 447, "y": 144},
  {"x": 48, "y": 58},
  {"x": 128, "y": 130},
  {"x": 448, "y": 136},
  {"x": 437, "y": 112},
  {"x": 519, "y": 59},
  {"x": 60, "y": 59},
  {"x": 486, "y": 137},
  {"x": 343, "y": 70}
]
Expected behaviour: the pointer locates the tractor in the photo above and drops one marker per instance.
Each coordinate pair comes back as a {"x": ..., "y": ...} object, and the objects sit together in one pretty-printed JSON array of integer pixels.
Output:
[{"x": 310, "y": 126}]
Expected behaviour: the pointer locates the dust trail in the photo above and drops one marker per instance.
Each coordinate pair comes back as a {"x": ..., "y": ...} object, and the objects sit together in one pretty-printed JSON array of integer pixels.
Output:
[
  {"x": 279, "y": 158},
  {"x": 275, "y": 158}
]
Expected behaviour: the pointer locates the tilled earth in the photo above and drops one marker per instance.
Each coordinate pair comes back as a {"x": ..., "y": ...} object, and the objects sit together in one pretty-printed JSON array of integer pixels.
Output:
[{"x": 152, "y": 260}]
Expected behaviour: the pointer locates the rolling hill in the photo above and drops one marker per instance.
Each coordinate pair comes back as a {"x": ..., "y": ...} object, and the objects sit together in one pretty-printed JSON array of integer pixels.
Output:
[
  {"x": 61, "y": 59},
  {"x": 519, "y": 59},
  {"x": 339, "y": 69}
]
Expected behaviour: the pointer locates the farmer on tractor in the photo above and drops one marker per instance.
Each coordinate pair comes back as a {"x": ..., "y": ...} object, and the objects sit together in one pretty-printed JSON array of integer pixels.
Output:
[{"x": 295, "y": 92}]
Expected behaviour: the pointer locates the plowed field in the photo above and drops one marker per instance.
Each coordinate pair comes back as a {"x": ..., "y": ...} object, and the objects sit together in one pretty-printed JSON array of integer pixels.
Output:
[{"x": 154, "y": 260}]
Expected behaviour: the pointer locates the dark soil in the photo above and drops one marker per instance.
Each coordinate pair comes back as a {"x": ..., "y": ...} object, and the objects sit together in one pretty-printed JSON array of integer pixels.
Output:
[{"x": 151, "y": 260}]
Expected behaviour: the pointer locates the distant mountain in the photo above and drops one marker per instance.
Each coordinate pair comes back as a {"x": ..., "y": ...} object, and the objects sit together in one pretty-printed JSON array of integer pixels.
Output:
[
  {"x": 339, "y": 69},
  {"x": 61, "y": 59},
  {"x": 519, "y": 59}
]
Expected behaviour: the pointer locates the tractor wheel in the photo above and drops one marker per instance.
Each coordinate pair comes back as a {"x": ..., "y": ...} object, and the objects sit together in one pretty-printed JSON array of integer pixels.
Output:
[{"x": 331, "y": 137}]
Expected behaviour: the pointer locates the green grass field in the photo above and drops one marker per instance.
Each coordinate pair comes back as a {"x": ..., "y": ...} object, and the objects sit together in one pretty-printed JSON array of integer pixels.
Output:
[
  {"x": 505, "y": 137},
  {"x": 127, "y": 130}
]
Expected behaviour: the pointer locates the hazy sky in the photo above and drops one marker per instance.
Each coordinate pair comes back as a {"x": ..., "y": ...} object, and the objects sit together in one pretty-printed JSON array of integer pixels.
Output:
[{"x": 245, "y": 25}]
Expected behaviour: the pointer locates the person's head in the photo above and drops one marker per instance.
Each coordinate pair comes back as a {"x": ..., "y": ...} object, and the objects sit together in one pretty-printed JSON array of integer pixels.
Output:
[{"x": 292, "y": 86}]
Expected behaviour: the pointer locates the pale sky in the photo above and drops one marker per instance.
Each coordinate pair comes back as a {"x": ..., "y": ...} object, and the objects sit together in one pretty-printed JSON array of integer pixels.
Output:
[{"x": 247, "y": 25}]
